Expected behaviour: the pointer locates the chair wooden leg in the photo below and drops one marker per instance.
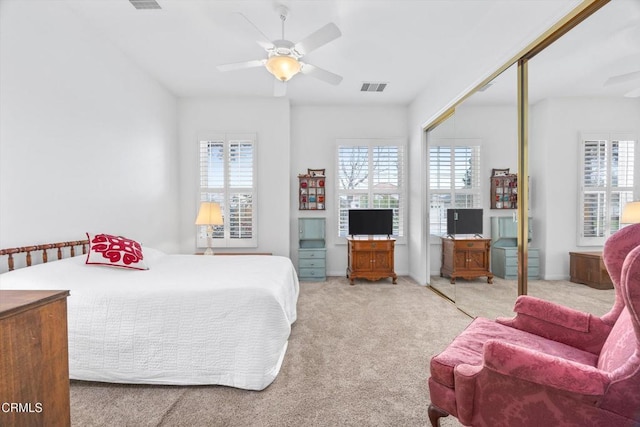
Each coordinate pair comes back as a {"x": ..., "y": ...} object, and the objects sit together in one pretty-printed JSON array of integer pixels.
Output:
[{"x": 435, "y": 414}]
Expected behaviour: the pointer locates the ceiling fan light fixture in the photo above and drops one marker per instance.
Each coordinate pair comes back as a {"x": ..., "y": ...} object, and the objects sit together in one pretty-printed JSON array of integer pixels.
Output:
[{"x": 283, "y": 67}]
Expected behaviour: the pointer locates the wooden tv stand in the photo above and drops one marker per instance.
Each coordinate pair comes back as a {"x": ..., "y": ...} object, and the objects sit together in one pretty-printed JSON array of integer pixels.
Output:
[
  {"x": 370, "y": 259},
  {"x": 466, "y": 258}
]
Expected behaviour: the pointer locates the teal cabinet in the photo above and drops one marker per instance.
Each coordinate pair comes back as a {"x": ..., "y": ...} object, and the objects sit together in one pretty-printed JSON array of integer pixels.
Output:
[
  {"x": 504, "y": 231},
  {"x": 312, "y": 252},
  {"x": 504, "y": 249},
  {"x": 504, "y": 262},
  {"x": 311, "y": 232}
]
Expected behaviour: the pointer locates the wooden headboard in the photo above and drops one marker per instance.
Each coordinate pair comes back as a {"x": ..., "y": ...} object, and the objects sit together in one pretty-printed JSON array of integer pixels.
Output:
[{"x": 43, "y": 248}]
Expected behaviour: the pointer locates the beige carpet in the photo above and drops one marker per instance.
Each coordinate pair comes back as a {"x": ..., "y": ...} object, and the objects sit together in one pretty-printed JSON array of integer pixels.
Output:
[
  {"x": 358, "y": 356},
  {"x": 479, "y": 298}
]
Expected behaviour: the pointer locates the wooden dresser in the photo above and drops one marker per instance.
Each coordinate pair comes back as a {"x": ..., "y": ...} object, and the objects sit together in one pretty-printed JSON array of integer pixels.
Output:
[
  {"x": 588, "y": 268},
  {"x": 466, "y": 258},
  {"x": 371, "y": 259},
  {"x": 34, "y": 361}
]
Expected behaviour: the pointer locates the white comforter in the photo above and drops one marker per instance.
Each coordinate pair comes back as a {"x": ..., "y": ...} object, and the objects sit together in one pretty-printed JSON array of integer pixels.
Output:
[{"x": 187, "y": 320}]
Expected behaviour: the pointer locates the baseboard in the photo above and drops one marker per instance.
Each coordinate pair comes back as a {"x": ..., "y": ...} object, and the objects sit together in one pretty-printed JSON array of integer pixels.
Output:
[{"x": 555, "y": 277}]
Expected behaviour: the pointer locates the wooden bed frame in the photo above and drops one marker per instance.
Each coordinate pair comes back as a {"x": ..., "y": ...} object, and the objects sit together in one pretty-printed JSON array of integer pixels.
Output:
[
  {"x": 28, "y": 249},
  {"x": 72, "y": 252}
]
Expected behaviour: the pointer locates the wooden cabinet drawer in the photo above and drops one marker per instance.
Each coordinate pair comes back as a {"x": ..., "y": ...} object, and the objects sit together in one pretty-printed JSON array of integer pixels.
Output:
[
  {"x": 376, "y": 245},
  {"x": 479, "y": 245}
]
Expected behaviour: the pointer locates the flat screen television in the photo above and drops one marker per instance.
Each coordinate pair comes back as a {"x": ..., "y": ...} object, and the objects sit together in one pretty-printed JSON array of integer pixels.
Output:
[
  {"x": 464, "y": 221},
  {"x": 370, "y": 222}
]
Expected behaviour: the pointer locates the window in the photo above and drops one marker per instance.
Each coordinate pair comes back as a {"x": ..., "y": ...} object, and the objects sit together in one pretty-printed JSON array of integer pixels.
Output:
[
  {"x": 371, "y": 175},
  {"x": 227, "y": 176},
  {"x": 607, "y": 180},
  {"x": 454, "y": 181}
]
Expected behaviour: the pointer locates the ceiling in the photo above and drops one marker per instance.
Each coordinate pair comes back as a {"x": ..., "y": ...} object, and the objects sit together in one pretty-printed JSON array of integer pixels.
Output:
[
  {"x": 413, "y": 45},
  {"x": 598, "y": 58}
]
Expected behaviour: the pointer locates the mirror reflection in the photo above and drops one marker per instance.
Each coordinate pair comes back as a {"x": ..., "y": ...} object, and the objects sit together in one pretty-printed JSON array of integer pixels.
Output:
[
  {"x": 483, "y": 137},
  {"x": 584, "y": 104}
]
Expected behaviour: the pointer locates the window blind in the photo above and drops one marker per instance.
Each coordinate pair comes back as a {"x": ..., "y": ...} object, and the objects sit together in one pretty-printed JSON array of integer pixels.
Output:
[
  {"x": 454, "y": 181},
  {"x": 227, "y": 176},
  {"x": 371, "y": 174},
  {"x": 607, "y": 184}
]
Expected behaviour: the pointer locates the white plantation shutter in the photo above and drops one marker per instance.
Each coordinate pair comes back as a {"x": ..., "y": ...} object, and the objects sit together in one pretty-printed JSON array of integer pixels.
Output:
[
  {"x": 454, "y": 180},
  {"x": 227, "y": 176},
  {"x": 371, "y": 175},
  {"x": 607, "y": 184}
]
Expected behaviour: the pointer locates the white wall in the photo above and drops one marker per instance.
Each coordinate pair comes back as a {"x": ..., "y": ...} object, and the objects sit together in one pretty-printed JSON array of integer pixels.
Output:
[
  {"x": 269, "y": 119},
  {"x": 314, "y": 130},
  {"x": 556, "y": 125},
  {"x": 87, "y": 140}
]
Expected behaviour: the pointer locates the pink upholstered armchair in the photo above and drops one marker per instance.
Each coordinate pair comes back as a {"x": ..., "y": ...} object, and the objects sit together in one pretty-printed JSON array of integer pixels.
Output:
[{"x": 549, "y": 365}]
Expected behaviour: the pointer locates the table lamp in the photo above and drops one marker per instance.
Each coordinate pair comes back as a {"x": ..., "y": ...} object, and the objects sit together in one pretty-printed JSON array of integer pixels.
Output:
[
  {"x": 631, "y": 213},
  {"x": 209, "y": 214}
]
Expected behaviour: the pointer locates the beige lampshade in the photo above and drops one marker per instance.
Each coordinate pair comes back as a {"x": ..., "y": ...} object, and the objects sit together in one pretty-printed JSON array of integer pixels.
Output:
[
  {"x": 631, "y": 213},
  {"x": 283, "y": 67},
  {"x": 209, "y": 214}
]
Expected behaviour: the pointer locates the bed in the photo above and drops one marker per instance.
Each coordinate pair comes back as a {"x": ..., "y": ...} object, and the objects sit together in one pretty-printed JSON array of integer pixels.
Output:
[{"x": 187, "y": 320}]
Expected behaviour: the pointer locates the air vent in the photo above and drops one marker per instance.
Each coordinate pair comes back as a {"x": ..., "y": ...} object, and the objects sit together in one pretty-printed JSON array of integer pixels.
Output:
[
  {"x": 145, "y": 4},
  {"x": 373, "y": 87}
]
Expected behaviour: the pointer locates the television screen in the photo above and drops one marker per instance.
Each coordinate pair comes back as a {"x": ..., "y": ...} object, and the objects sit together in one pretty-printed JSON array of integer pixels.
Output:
[
  {"x": 371, "y": 221},
  {"x": 464, "y": 221}
]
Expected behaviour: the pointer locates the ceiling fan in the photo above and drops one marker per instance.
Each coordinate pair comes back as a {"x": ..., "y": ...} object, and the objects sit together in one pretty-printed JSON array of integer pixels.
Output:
[
  {"x": 633, "y": 76},
  {"x": 628, "y": 39},
  {"x": 284, "y": 57}
]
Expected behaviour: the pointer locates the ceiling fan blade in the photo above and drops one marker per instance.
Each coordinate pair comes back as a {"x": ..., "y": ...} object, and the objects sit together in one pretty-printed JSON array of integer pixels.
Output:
[
  {"x": 319, "y": 73},
  {"x": 241, "y": 65},
  {"x": 279, "y": 88},
  {"x": 622, "y": 78},
  {"x": 321, "y": 37},
  {"x": 635, "y": 93}
]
